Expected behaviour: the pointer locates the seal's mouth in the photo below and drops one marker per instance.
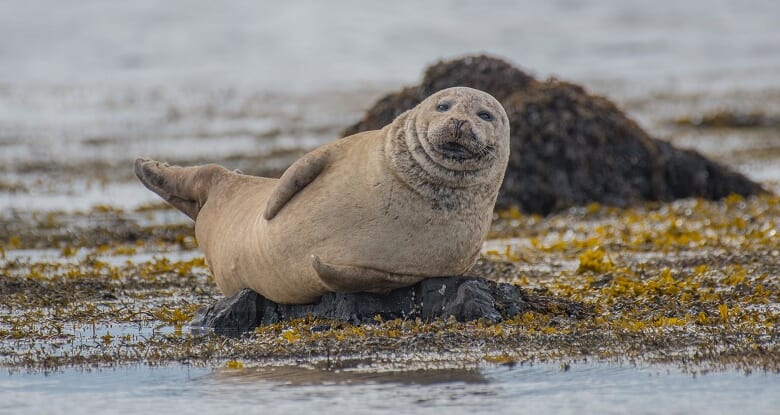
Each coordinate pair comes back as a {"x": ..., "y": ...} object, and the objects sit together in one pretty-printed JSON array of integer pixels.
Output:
[{"x": 455, "y": 151}]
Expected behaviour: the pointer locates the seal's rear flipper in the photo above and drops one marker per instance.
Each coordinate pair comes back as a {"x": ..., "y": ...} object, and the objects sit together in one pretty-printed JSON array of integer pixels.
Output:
[
  {"x": 349, "y": 279},
  {"x": 186, "y": 188}
]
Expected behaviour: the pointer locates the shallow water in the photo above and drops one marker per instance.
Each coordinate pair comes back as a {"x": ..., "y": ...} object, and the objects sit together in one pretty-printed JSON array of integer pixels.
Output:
[
  {"x": 538, "y": 389},
  {"x": 87, "y": 88},
  {"x": 312, "y": 45}
]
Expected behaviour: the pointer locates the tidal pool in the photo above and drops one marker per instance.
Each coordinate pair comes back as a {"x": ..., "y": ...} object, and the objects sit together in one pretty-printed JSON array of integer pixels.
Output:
[{"x": 538, "y": 389}]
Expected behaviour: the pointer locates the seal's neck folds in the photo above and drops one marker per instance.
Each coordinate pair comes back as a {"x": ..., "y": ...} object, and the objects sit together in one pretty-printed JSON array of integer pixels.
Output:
[{"x": 446, "y": 189}]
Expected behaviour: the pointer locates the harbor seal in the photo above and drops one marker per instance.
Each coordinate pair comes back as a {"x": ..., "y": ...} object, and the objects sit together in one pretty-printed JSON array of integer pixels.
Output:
[{"x": 370, "y": 212}]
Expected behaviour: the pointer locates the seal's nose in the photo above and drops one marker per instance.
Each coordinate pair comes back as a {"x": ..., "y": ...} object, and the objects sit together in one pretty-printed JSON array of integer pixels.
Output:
[{"x": 458, "y": 127}]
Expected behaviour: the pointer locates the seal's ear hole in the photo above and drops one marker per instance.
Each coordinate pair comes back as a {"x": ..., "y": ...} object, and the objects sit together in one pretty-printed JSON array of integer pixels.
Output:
[{"x": 443, "y": 107}]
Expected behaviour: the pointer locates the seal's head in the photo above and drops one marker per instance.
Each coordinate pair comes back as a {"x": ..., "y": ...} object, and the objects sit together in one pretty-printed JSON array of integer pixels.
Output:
[
  {"x": 457, "y": 137},
  {"x": 462, "y": 129}
]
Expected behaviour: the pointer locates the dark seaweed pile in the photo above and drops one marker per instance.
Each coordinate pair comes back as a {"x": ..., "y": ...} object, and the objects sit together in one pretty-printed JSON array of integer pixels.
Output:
[{"x": 569, "y": 147}]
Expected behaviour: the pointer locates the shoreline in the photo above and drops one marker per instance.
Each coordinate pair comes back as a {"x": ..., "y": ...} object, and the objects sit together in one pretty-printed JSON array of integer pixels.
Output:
[{"x": 691, "y": 283}]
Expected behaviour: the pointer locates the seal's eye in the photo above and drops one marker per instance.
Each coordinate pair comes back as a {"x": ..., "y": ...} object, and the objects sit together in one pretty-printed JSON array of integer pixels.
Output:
[
  {"x": 485, "y": 115},
  {"x": 443, "y": 107}
]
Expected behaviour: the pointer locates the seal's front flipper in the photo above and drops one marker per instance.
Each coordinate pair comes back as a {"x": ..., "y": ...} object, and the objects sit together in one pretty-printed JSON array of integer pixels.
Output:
[
  {"x": 349, "y": 279},
  {"x": 186, "y": 188},
  {"x": 295, "y": 178}
]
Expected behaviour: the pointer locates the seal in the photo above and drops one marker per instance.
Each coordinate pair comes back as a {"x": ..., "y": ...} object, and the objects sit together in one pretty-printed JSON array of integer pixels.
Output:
[{"x": 370, "y": 212}]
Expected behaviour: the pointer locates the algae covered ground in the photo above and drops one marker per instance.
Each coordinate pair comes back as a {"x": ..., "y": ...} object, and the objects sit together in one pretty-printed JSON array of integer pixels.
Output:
[{"x": 692, "y": 283}]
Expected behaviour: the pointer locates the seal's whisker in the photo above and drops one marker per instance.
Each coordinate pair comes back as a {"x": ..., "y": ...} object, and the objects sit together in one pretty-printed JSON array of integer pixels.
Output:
[{"x": 487, "y": 151}]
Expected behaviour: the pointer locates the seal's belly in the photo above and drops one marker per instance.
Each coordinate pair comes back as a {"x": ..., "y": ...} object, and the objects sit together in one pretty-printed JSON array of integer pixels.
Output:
[
  {"x": 359, "y": 222},
  {"x": 380, "y": 226}
]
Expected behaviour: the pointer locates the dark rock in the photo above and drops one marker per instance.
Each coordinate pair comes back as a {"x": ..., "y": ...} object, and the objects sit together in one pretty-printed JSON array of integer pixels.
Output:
[
  {"x": 569, "y": 147},
  {"x": 231, "y": 316},
  {"x": 464, "y": 298}
]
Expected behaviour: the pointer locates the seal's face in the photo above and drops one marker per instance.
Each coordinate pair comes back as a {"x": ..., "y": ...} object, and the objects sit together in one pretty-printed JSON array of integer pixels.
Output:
[{"x": 460, "y": 135}]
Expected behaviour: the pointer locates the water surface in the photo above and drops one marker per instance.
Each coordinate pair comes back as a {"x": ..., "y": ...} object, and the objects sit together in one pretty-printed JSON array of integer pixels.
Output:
[{"x": 537, "y": 389}]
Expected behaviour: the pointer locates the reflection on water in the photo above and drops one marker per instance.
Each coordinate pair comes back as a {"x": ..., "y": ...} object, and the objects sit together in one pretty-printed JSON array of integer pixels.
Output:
[
  {"x": 302, "y": 376},
  {"x": 539, "y": 389}
]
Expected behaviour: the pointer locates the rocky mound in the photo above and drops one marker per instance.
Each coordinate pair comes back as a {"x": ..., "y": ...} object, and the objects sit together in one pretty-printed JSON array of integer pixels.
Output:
[
  {"x": 569, "y": 147},
  {"x": 464, "y": 298}
]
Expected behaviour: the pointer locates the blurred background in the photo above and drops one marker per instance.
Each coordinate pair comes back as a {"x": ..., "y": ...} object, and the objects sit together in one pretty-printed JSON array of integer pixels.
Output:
[{"x": 85, "y": 87}]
